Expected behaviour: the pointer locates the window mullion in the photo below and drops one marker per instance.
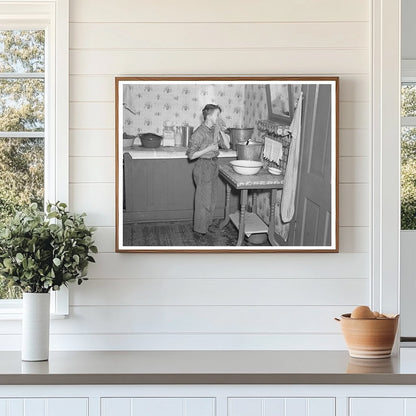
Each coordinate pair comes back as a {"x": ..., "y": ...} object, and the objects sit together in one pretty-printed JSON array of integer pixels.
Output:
[
  {"x": 22, "y": 75},
  {"x": 22, "y": 134},
  {"x": 408, "y": 121}
]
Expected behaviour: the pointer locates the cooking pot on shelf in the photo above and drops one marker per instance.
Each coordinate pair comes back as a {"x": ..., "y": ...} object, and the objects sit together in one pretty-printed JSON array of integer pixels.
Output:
[
  {"x": 238, "y": 135},
  {"x": 250, "y": 151},
  {"x": 150, "y": 140},
  {"x": 128, "y": 140}
]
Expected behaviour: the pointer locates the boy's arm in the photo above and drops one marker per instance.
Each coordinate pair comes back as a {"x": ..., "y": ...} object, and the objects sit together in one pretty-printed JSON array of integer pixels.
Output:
[
  {"x": 199, "y": 153},
  {"x": 194, "y": 147}
]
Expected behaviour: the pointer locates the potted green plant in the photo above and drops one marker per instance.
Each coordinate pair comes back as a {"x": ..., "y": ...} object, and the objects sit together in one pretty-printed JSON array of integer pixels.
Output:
[{"x": 39, "y": 252}]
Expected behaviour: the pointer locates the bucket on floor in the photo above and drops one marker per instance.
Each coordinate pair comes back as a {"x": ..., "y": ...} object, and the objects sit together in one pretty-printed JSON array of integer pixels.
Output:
[{"x": 257, "y": 239}]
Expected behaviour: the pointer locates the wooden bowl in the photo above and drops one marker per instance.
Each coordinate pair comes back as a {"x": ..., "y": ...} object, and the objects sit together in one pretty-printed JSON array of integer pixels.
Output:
[{"x": 369, "y": 338}]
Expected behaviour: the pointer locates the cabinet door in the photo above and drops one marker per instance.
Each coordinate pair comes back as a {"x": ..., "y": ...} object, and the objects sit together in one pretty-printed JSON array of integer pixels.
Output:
[
  {"x": 154, "y": 406},
  {"x": 44, "y": 407},
  {"x": 377, "y": 406},
  {"x": 273, "y": 406}
]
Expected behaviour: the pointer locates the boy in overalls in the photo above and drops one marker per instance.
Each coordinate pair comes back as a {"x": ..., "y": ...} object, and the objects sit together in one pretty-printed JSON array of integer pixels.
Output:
[{"x": 204, "y": 146}]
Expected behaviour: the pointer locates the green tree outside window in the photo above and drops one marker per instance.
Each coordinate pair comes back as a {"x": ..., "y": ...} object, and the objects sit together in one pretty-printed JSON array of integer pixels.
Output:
[{"x": 22, "y": 98}]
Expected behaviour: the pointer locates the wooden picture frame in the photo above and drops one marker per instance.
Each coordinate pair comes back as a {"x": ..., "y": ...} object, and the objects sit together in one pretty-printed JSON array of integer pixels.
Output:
[{"x": 155, "y": 187}]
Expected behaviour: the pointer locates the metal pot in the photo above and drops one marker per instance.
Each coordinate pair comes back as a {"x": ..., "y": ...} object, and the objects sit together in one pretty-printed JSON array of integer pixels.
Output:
[
  {"x": 186, "y": 134},
  {"x": 238, "y": 135},
  {"x": 150, "y": 140},
  {"x": 250, "y": 151}
]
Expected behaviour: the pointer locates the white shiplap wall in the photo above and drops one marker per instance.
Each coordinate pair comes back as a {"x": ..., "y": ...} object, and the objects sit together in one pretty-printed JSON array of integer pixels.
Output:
[{"x": 157, "y": 301}]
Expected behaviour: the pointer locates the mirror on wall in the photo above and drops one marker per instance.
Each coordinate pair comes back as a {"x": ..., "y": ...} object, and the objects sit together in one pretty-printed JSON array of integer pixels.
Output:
[{"x": 280, "y": 103}]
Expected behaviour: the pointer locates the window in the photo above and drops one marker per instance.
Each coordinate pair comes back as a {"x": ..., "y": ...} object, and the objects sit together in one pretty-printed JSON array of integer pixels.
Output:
[
  {"x": 408, "y": 154},
  {"x": 22, "y": 124},
  {"x": 33, "y": 113}
]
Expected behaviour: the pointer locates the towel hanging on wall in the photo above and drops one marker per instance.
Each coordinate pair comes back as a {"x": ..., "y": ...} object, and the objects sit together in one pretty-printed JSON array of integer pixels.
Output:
[
  {"x": 273, "y": 150},
  {"x": 287, "y": 207}
]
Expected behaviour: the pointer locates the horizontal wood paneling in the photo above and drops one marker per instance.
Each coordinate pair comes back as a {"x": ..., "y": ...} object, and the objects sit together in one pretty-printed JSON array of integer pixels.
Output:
[
  {"x": 194, "y": 319},
  {"x": 220, "y": 61},
  {"x": 231, "y": 266},
  {"x": 200, "y": 319},
  {"x": 92, "y": 169},
  {"x": 354, "y": 142},
  {"x": 218, "y": 11},
  {"x": 354, "y": 115},
  {"x": 353, "y": 169},
  {"x": 94, "y": 143},
  {"x": 99, "y": 88},
  {"x": 221, "y": 35},
  {"x": 96, "y": 199},
  {"x": 105, "y": 239},
  {"x": 352, "y": 239},
  {"x": 218, "y": 291},
  {"x": 92, "y": 116},
  {"x": 184, "y": 341},
  {"x": 354, "y": 208}
]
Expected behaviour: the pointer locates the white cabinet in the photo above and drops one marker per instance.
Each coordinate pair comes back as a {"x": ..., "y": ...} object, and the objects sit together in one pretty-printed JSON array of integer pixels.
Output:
[
  {"x": 273, "y": 406},
  {"x": 391, "y": 406},
  {"x": 44, "y": 407},
  {"x": 157, "y": 406}
]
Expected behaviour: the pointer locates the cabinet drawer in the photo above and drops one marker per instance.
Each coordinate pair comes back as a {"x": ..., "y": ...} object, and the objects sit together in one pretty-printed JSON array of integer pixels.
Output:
[
  {"x": 158, "y": 406},
  {"x": 44, "y": 407},
  {"x": 382, "y": 406},
  {"x": 280, "y": 406}
]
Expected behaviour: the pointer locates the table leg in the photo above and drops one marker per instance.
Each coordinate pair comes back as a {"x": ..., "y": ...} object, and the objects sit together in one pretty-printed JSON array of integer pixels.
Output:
[
  {"x": 254, "y": 207},
  {"x": 226, "y": 219},
  {"x": 242, "y": 224},
  {"x": 271, "y": 232}
]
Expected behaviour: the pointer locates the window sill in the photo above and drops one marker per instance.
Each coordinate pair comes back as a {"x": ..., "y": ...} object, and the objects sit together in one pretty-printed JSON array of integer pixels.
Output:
[
  {"x": 12, "y": 309},
  {"x": 17, "y": 316}
]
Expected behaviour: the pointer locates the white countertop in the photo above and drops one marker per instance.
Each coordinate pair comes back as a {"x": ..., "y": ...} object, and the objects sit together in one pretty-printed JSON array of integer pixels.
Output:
[{"x": 139, "y": 152}]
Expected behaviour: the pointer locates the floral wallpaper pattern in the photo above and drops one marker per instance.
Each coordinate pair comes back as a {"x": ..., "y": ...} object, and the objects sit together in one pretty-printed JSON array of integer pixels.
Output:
[
  {"x": 148, "y": 106},
  {"x": 255, "y": 106}
]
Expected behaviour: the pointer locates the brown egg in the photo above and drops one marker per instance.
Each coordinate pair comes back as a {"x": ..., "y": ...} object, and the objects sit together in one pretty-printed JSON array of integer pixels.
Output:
[
  {"x": 376, "y": 314},
  {"x": 362, "y": 312}
]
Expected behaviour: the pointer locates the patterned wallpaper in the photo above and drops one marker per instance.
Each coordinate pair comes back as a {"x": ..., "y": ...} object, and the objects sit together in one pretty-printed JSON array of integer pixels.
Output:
[
  {"x": 147, "y": 106},
  {"x": 255, "y": 106}
]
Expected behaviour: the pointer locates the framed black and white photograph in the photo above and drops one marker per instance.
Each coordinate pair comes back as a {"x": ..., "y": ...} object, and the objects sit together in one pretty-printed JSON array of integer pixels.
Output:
[{"x": 226, "y": 164}]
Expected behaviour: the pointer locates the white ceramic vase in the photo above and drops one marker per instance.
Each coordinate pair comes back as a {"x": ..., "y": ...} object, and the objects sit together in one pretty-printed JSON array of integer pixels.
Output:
[{"x": 35, "y": 326}]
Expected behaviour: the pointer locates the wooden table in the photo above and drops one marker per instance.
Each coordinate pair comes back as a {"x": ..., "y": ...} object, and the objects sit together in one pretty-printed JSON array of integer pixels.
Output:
[{"x": 244, "y": 183}]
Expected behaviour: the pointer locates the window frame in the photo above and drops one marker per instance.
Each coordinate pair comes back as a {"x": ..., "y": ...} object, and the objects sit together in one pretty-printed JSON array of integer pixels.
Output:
[
  {"x": 53, "y": 17},
  {"x": 408, "y": 76}
]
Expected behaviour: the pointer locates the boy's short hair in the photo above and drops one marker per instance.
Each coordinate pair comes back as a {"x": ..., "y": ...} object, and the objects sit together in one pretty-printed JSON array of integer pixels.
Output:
[{"x": 209, "y": 108}]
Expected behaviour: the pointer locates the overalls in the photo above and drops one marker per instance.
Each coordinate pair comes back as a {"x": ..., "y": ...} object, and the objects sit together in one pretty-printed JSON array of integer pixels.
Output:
[{"x": 205, "y": 174}]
